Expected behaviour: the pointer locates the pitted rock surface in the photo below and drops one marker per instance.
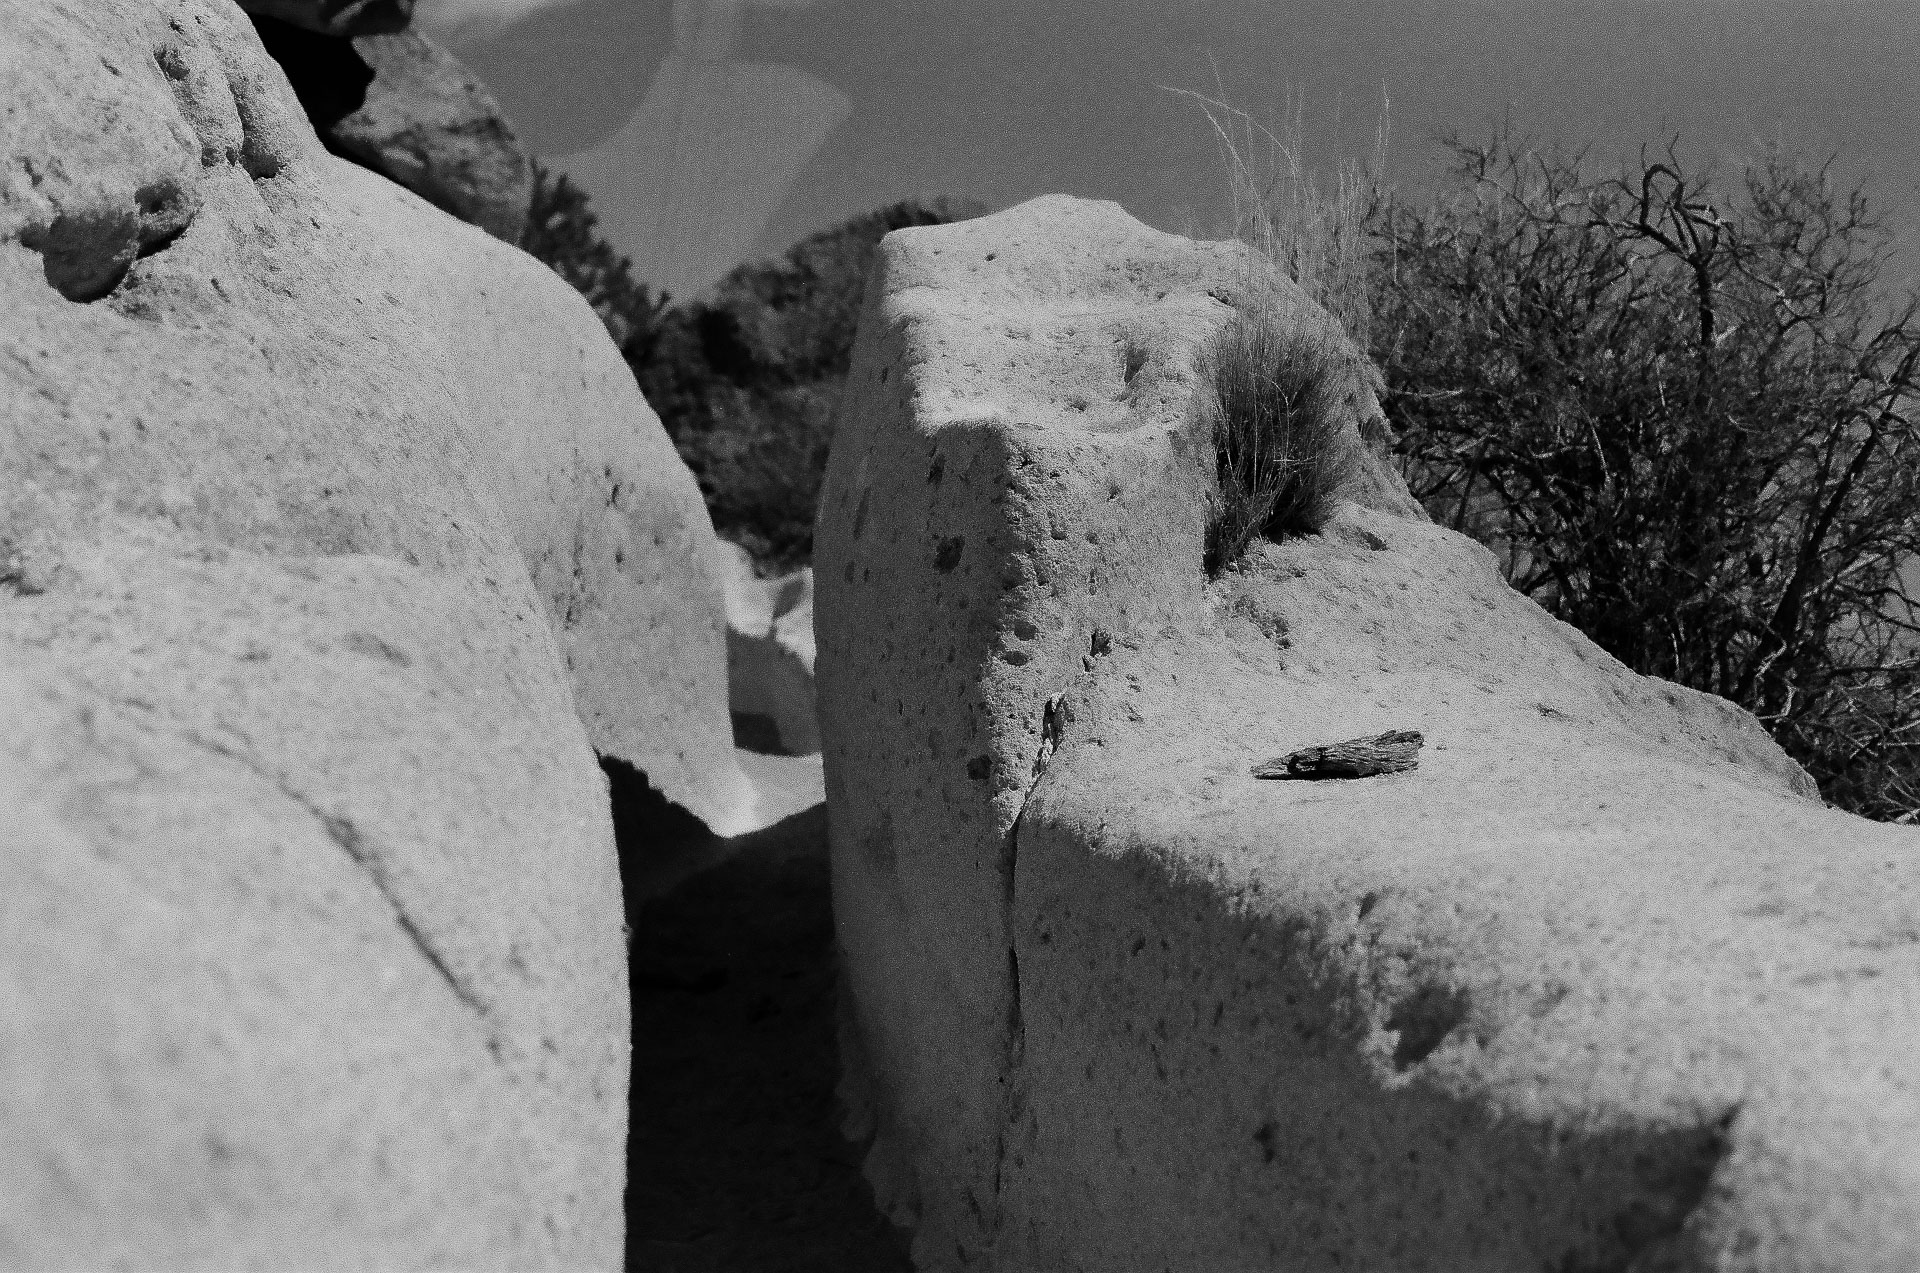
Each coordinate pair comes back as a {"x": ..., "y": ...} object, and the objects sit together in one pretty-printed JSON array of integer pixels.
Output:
[
  {"x": 1599, "y": 985},
  {"x": 334, "y": 541}
]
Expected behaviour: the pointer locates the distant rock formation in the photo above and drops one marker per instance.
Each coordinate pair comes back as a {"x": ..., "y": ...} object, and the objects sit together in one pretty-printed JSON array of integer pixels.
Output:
[
  {"x": 334, "y": 542},
  {"x": 1599, "y": 985},
  {"x": 770, "y": 654},
  {"x": 395, "y": 101}
]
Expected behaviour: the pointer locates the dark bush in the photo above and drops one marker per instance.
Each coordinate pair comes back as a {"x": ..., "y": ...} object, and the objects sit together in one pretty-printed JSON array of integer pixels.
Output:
[
  {"x": 1683, "y": 414},
  {"x": 562, "y": 232},
  {"x": 747, "y": 381}
]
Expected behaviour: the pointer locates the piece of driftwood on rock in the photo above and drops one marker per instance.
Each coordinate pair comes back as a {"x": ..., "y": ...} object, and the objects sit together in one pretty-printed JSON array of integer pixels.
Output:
[{"x": 1390, "y": 753}]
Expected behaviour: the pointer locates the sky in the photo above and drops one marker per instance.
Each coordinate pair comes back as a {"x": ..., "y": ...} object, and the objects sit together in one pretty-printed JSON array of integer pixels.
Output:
[{"x": 712, "y": 131}]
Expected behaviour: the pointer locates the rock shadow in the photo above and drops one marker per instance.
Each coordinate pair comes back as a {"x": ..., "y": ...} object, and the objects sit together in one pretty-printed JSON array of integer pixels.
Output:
[{"x": 734, "y": 1154}]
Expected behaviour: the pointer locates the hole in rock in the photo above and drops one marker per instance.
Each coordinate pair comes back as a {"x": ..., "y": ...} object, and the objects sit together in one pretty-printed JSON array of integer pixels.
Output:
[
  {"x": 947, "y": 554},
  {"x": 16, "y": 580},
  {"x": 1673, "y": 1169},
  {"x": 1424, "y": 1019},
  {"x": 86, "y": 255},
  {"x": 734, "y": 1155}
]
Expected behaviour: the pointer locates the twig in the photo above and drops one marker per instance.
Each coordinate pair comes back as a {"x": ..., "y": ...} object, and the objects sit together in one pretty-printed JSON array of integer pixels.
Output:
[{"x": 1390, "y": 753}]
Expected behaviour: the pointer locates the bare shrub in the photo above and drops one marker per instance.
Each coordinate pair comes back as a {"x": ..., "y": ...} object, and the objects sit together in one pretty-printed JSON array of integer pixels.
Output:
[{"x": 1685, "y": 412}]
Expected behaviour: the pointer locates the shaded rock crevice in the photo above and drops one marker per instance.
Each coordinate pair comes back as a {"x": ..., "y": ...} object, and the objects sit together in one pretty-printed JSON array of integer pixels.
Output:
[
  {"x": 329, "y": 77},
  {"x": 1015, "y": 1132},
  {"x": 738, "y": 1153}
]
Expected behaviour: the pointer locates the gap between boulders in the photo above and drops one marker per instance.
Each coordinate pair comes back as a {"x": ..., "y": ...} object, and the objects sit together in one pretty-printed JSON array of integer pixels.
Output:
[{"x": 735, "y": 1159}]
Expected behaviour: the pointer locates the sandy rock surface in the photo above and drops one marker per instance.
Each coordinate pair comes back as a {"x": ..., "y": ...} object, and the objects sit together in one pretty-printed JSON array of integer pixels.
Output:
[
  {"x": 1600, "y": 985},
  {"x": 334, "y": 540}
]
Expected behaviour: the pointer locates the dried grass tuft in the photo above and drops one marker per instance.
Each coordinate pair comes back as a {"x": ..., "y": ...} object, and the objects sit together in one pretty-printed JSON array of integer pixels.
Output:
[
  {"x": 1318, "y": 235},
  {"x": 1278, "y": 386},
  {"x": 1277, "y": 402}
]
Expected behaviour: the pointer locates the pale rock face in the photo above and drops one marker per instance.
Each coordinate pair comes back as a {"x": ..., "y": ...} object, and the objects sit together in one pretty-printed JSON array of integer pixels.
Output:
[
  {"x": 1599, "y": 984},
  {"x": 334, "y": 540},
  {"x": 770, "y": 649}
]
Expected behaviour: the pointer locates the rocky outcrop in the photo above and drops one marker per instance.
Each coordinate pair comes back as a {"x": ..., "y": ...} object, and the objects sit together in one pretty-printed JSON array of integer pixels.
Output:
[
  {"x": 406, "y": 108},
  {"x": 334, "y": 541},
  {"x": 770, "y": 653},
  {"x": 1599, "y": 985}
]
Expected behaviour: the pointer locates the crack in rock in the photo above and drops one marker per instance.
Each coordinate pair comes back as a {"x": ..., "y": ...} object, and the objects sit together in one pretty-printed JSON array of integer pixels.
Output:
[
  {"x": 352, "y": 842},
  {"x": 1013, "y": 1058},
  {"x": 345, "y": 834}
]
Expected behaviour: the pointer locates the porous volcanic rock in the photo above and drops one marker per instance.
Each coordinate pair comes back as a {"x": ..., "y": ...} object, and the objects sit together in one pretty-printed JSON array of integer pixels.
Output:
[
  {"x": 1599, "y": 985},
  {"x": 334, "y": 541}
]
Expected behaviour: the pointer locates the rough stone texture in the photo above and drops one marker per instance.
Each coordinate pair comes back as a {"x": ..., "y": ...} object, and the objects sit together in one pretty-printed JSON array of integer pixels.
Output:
[
  {"x": 409, "y": 110},
  {"x": 770, "y": 651},
  {"x": 1599, "y": 986},
  {"x": 325, "y": 522},
  {"x": 337, "y": 17},
  {"x": 431, "y": 126}
]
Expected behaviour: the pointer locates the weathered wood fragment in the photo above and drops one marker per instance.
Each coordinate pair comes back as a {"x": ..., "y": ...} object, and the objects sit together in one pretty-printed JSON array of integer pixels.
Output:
[{"x": 1390, "y": 753}]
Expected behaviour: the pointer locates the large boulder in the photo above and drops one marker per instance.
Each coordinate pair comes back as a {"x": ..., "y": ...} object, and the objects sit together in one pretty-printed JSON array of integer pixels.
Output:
[
  {"x": 335, "y": 540},
  {"x": 1599, "y": 985}
]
